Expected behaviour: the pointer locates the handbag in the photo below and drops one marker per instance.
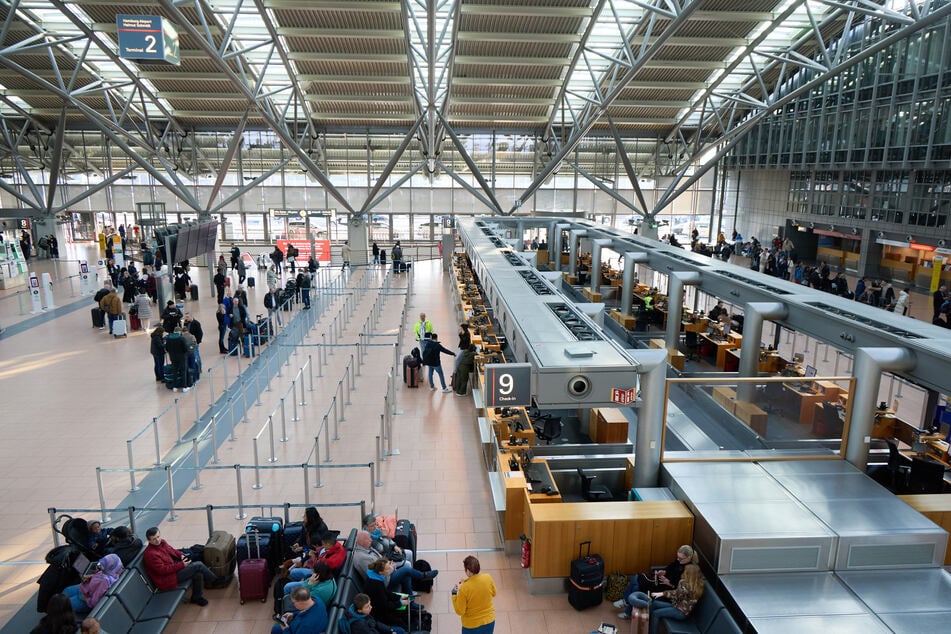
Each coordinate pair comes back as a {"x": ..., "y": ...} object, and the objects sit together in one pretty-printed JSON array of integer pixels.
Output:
[{"x": 614, "y": 587}]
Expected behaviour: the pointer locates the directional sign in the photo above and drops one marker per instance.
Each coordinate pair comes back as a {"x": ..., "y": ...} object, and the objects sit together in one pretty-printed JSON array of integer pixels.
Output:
[
  {"x": 147, "y": 37},
  {"x": 622, "y": 396},
  {"x": 508, "y": 384}
]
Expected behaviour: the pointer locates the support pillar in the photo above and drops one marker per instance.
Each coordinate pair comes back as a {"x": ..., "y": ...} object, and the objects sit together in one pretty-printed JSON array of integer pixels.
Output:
[
  {"x": 558, "y": 245},
  {"x": 596, "y": 246},
  {"x": 675, "y": 305},
  {"x": 520, "y": 234},
  {"x": 754, "y": 314},
  {"x": 552, "y": 245},
  {"x": 627, "y": 282},
  {"x": 650, "y": 416},
  {"x": 867, "y": 370},
  {"x": 574, "y": 237}
]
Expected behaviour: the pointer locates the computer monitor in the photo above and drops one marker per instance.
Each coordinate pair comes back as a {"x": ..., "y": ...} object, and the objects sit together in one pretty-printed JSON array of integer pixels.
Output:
[{"x": 810, "y": 371}]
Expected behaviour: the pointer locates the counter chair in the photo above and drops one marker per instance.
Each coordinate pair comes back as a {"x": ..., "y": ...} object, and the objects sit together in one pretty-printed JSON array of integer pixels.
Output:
[
  {"x": 592, "y": 492},
  {"x": 926, "y": 476}
]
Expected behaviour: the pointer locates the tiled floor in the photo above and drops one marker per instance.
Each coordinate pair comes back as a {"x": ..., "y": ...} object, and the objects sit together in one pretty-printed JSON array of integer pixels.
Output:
[{"x": 73, "y": 396}]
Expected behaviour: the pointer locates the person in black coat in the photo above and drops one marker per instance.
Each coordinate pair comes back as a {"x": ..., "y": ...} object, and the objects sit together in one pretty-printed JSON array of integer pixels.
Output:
[
  {"x": 360, "y": 618},
  {"x": 431, "y": 349},
  {"x": 59, "y": 618},
  {"x": 460, "y": 380},
  {"x": 123, "y": 543},
  {"x": 388, "y": 607},
  {"x": 157, "y": 350}
]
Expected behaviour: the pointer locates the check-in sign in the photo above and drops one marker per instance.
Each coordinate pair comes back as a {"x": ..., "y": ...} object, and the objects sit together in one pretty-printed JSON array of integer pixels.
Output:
[{"x": 147, "y": 37}]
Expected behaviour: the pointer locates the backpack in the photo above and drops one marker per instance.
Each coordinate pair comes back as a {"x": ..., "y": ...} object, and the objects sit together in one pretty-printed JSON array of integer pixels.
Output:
[
  {"x": 102, "y": 292},
  {"x": 269, "y": 300}
]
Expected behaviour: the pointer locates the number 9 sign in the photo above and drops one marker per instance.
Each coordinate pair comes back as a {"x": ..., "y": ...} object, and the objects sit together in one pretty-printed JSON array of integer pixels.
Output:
[{"x": 508, "y": 384}]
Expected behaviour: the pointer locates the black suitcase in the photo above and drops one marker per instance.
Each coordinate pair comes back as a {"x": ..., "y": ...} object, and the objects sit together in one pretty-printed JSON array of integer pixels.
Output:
[
  {"x": 586, "y": 583},
  {"x": 405, "y": 536},
  {"x": 293, "y": 534},
  {"x": 249, "y": 546},
  {"x": 273, "y": 527},
  {"x": 98, "y": 318},
  {"x": 170, "y": 375},
  {"x": 194, "y": 292},
  {"x": 422, "y": 585},
  {"x": 250, "y": 282}
]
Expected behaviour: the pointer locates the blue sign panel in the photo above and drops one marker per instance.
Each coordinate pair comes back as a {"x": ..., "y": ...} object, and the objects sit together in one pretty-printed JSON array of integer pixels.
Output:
[{"x": 147, "y": 37}]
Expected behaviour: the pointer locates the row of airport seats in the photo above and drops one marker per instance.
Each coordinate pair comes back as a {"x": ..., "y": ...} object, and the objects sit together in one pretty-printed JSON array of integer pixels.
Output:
[
  {"x": 133, "y": 604},
  {"x": 710, "y": 616}
]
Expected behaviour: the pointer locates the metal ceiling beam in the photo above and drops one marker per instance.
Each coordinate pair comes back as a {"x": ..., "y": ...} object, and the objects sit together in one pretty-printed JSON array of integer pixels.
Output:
[
  {"x": 469, "y": 188},
  {"x": 56, "y": 159},
  {"x": 336, "y": 5},
  {"x": 628, "y": 168},
  {"x": 519, "y": 38},
  {"x": 600, "y": 184},
  {"x": 394, "y": 159},
  {"x": 473, "y": 168},
  {"x": 233, "y": 148},
  {"x": 531, "y": 11},
  {"x": 394, "y": 187},
  {"x": 283, "y": 54},
  {"x": 593, "y": 114},
  {"x": 727, "y": 141},
  {"x": 263, "y": 109},
  {"x": 248, "y": 186}
]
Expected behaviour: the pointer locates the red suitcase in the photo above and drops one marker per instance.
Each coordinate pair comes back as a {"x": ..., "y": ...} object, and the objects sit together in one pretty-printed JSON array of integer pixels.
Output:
[
  {"x": 134, "y": 322},
  {"x": 254, "y": 575}
]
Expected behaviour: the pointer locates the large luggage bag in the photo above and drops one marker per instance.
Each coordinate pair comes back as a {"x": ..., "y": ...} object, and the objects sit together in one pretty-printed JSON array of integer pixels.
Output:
[
  {"x": 193, "y": 291},
  {"x": 254, "y": 574},
  {"x": 411, "y": 371},
  {"x": 405, "y": 536},
  {"x": 98, "y": 318},
  {"x": 134, "y": 322},
  {"x": 422, "y": 585},
  {"x": 221, "y": 553},
  {"x": 586, "y": 583},
  {"x": 120, "y": 327},
  {"x": 273, "y": 528},
  {"x": 293, "y": 534}
]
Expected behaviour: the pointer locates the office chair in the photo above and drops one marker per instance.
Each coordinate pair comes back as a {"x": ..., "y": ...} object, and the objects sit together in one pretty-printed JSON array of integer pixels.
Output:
[
  {"x": 549, "y": 429},
  {"x": 828, "y": 424},
  {"x": 692, "y": 345},
  {"x": 591, "y": 492},
  {"x": 927, "y": 476}
]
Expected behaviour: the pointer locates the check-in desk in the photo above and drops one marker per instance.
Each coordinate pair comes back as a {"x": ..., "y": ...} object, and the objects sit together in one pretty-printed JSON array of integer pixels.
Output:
[
  {"x": 826, "y": 391},
  {"x": 717, "y": 348},
  {"x": 518, "y": 425},
  {"x": 520, "y": 495},
  {"x": 630, "y": 536},
  {"x": 627, "y": 321},
  {"x": 541, "y": 258},
  {"x": 769, "y": 362},
  {"x": 698, "y": 326}
]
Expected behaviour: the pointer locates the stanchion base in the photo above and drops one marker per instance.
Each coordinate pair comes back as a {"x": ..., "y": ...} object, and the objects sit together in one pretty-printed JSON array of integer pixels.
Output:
[
  {"x": 197, "y": 487},
  {"x": 394, "y": 452},
  {"x": 377, "y": 484},
  {"x": 243, "y": 516},
  {"x": 284, "y": 439},
  {"x": 272, "y": 459},
  {"x": 134, "y": 489},
  {"x": 318, "y": 486},
  {"x": 257, "y": 486},
  {"x": 173, "y": 517}
]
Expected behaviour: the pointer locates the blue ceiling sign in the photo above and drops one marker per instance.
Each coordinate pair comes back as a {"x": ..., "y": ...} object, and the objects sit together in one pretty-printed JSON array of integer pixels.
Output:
[{"x": 147, "y": 37}]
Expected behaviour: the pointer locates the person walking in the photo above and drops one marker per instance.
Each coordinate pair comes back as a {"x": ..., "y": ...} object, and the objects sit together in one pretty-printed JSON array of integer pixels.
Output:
[
  {"x": 345, "y": 252},
  {"x": 376, "y": 253},
  {"x": 472, "y": 599}
]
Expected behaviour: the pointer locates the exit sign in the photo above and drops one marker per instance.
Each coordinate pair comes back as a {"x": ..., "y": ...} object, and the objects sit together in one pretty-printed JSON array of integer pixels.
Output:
[
  {"x": 623, "y": 397},
  {"x": 147, "y": 37}
]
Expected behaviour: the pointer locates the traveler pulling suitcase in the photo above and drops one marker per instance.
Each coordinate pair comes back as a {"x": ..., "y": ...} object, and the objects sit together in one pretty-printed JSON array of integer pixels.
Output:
[
  {"x": 221, "y": 553},
  {"x": 254, "y": 573},
  {"x": 98, "y": 318},
  {"x": 586, "y": 583},
  {"x": 193, "y": 290}
]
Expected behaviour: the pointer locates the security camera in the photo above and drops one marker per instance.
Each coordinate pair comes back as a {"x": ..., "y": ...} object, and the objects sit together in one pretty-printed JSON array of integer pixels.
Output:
[
  {"x": 941, "y": 243},
  {"x": 579, "y": 386},
  {"x": 908, "y": 238}
]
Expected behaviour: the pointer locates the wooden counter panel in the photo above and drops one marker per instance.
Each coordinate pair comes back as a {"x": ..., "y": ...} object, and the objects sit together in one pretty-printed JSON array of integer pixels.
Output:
[
  {"x": 630, "y": 536},
  {"x": 937, "y": 508}
]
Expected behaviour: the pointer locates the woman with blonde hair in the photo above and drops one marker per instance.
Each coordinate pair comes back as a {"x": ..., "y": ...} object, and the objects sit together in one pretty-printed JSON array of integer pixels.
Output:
[
  {"x": 665, "y": 578},
  {"x": 678, "y": 603}
]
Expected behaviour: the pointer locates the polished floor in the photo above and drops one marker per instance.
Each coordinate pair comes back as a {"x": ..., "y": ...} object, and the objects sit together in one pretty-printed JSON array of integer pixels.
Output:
[{"x": 73, "y": 397}]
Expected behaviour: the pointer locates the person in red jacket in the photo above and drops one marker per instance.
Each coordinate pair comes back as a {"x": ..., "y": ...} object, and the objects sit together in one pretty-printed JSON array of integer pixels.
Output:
[
  {"x": 333, "y": 553},
  {"x": 168, "y": 567}
]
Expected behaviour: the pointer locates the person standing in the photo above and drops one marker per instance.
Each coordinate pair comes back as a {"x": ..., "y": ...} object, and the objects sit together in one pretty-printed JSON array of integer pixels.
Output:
[
  {"x": 345, "y": 252},
  {"x": 376, "y": 253},
  {"x": 422, "y": 326},
  {"x": 157, "y": 350},
  {"x": 235, "y": 255},
  {"x": 903, "y": 303},
  {"x": 144, "y": 307},
  {"x": 472, "y": 599},
  {"x": 193, "y": 327},
  {"x": 303, "y": 286},
  {"x": 224, "y": 324},
  {"x": 431, "y": 350},
  {"x": 242, "y": 271},
  {"x": 937, "y": 299}
]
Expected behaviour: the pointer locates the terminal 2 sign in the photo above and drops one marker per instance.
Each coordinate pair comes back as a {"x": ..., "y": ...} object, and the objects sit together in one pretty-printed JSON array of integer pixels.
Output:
[{"x": 148, "y": 38}]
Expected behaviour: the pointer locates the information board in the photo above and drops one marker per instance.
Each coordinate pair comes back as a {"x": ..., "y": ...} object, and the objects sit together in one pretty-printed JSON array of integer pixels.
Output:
[{"x": 147, "y": 37}]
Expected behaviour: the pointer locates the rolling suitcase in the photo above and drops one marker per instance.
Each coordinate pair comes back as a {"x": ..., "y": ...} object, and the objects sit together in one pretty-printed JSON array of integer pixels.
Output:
[
  {"x": 249, "y": 544},
  {"x": 193, "y": 291},
  {"x": 134, "y": 322},
  {"x": 221, "y": 553},
  {"x": 170, "y": 375},
  {"x": 586, "y": 583},
  {"x": 120, "y": 327},
  {"x": 410, "y": 371},
  {"x": 250, "y": 282},
  {"x": 405, "y": 536},
  {"x": 98, "y": 318},
  {"x": 273, "y": 527},
  {"x": 254, "y": 573}
]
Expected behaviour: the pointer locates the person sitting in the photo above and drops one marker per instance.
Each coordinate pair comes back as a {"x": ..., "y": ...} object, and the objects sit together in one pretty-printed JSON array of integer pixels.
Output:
[
  {"x": 363, "y": 554},
  {"x": 675, "y": 604},
  {"x": 59, "y": 618},
  {"x": 321, "y": 584},
  {"x": 98, "y": 538},
  {"x": 666, "y": 578},
  {"x": 310, "y": 616},
  {"x": 388, "y": 607},
  {"x": 361, "y": 621},
  {"x": 123, "y": 543},
  {"x": 86, "y": 595},
  {"x": 167, "y": 567},
  {"x": 89, "y": 626},
  {"x": 331, "y": 552}
]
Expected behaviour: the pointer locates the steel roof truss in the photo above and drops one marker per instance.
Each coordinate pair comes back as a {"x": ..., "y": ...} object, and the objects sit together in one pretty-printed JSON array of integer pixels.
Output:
[
  {"x": 233, "y": 146},
  {"x": 248, "y": 186},
  {"x": 37, "y": 201},
  {"x": 600, "y": 184},
  {"x": 394, "y": 159},
  {"x": 491, "y": 204},
  {"x": 473, "y": 168},
  {"x": 395, "y": 186}
]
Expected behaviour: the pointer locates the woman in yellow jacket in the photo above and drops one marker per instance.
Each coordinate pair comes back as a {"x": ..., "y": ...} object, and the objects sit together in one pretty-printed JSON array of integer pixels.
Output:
[{"x": 472, "y": 599}]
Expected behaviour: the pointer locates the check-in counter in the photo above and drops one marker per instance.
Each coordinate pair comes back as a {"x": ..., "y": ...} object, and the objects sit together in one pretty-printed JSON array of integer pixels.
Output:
[{"x": 630, "y": 536}]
